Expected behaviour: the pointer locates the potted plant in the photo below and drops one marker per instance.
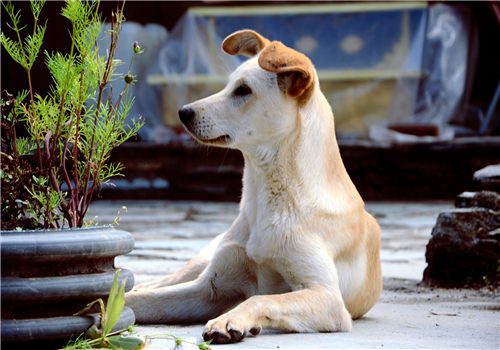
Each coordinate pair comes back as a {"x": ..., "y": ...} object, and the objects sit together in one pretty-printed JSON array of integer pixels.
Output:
[{"x": 54, "y": 262}]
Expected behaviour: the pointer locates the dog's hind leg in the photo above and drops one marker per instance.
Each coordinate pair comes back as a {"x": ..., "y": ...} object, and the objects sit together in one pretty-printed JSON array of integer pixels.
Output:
[
  {"x": 188, "y": 272},
  {"x": 225, "y": 282},
  {"x": 188, "y": 302}
]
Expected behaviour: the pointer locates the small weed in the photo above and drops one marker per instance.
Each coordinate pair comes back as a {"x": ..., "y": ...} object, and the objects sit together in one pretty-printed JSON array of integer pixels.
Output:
[
  {"x": 124, "y": 339},
  {"x": 116, "y": 221},
  {"x": 102, "y": 337}
]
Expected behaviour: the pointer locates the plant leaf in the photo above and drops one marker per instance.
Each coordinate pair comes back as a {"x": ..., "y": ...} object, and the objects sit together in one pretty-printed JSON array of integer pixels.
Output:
[
  {"x": 114, "y": 307},
  {"x": 89, "y": 305},
  {"x": 36, "y": 8},
  {"x": 127, "y": 342},
  {"x": 14, "y": 49},
  {"x": 205, "y": 345}
]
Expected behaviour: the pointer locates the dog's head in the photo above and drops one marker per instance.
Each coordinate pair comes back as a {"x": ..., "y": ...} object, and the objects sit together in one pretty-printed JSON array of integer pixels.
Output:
[{"x": 259, "y": 104}]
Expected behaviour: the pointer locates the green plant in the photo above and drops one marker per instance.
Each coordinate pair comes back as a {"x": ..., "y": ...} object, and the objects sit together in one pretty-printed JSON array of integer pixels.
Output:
[
  {"x": 102, "y": 337},
  {"x": 125, "y": 339},
  {"x": 72, "y": 130},
  {"x": 179, "y": 341},
  {"x": 116, "y": 221}
]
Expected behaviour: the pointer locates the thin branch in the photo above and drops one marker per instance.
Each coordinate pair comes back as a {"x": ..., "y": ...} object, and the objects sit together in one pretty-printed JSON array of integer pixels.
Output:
[
  {"x": 12, "y": 130},
  {"x": 63, "y": 95},
  {"x": 65, "y": 171},
  {"x": 55, "y": 186},
  {"x": 32, "y": 120},
  {"x": 47, "y": 209},
  {"x": 102, "y": 85},
  {"x": 75, "y": 200}
]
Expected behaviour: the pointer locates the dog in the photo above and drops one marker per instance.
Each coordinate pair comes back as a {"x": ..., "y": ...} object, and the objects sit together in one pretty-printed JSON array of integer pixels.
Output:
[{"x": 303, "y": 254}]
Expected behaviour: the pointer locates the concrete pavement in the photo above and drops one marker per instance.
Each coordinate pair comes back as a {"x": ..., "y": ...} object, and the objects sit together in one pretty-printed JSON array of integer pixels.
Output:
[{"x": 407, "y": 316}]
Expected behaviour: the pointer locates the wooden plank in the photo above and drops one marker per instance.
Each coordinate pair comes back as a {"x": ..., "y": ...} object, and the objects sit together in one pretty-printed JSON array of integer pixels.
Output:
[
  {"x": 380, "y": 170},
  {"x": 159, "y": 79},
  {"x": 324, "y": 75},
  {"x": 301, "y": 9},
  {"x": 365, "y": 74}
]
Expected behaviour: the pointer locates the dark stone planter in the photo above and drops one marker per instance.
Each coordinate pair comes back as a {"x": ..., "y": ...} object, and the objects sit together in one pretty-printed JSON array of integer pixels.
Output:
[{"x": 47, "y": 276}]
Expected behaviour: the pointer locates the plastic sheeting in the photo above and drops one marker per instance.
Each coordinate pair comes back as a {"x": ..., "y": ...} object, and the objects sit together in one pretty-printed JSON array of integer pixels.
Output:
[
  {"x": 438, "y": 96},
  {"x": 193, "y": 64},
  {"x": 170, "y": 81},
  {"x": 376, "y": 68}
]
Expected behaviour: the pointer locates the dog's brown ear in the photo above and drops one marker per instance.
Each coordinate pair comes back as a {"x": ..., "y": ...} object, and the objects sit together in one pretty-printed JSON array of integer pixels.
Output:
[
  {"x": 244, "y": 42},
  {"x": 295, "y": 71}
]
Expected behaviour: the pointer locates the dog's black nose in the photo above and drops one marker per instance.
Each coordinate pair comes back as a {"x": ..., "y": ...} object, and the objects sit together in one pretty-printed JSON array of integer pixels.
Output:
[{"x": 186, "y": 114}]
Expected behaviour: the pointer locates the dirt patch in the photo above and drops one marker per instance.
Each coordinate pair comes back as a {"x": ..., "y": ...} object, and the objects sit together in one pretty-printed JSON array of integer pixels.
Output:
[{"x": 413, "y": 291}]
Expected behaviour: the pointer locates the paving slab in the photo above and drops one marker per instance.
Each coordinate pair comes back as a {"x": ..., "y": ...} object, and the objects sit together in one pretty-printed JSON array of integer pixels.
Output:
[{"x": 408, "y": 316}]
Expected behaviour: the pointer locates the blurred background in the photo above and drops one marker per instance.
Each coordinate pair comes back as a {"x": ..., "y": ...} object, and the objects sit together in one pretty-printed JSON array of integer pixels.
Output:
[{"x": 414, "y": 87}]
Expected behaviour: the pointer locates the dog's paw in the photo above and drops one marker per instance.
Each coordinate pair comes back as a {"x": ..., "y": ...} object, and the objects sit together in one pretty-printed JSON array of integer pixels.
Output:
[
  {"x": 223, "y": 330},
  {"x": 223, "y": 336}
]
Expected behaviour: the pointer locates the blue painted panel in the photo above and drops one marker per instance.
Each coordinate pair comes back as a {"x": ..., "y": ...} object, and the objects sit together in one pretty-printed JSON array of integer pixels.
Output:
[{"x": 343, "y": 40}]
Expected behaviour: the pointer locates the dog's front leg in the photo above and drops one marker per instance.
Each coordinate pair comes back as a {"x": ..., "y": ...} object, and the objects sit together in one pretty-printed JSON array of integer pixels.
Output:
[
  {"x": 310, "y": 307},
  {"x": 315, "y": 309}
]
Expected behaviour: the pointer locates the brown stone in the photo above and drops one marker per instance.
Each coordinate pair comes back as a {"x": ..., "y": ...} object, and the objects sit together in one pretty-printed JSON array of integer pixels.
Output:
[
  {"x": 464, "y": 248},
  {"x": 483, "y": 199},
  {"x": 488, "y": 178}
]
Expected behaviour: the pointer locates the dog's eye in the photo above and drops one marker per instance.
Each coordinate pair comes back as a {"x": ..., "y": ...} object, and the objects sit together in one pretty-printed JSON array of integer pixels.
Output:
[{"x": 242, "y": 90}]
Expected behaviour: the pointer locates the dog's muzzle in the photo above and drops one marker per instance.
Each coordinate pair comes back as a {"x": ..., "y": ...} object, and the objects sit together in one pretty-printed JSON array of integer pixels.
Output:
[{"x": 187, "y": 116}]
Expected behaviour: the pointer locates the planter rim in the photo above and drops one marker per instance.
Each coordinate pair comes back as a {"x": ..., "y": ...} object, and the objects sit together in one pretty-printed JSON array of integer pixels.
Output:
[
  {"x": 53, "y": 245},
  {"x": 44, "y": 289},
  {"x": 60, "y": 230},
  {"x": 29, "y": 330}
]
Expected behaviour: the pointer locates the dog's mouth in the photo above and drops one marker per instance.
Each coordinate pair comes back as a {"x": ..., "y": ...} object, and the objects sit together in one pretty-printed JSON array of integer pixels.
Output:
[{"x": 220, "y": 140}]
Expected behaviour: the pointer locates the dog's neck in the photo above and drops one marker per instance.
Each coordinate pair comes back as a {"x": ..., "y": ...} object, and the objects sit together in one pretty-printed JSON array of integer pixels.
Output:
[{"x": 304, "y": 166}]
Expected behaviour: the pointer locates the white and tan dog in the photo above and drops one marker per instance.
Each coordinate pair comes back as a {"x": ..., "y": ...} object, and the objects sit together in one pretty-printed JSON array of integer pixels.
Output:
[{"x": 303, "y": 254}]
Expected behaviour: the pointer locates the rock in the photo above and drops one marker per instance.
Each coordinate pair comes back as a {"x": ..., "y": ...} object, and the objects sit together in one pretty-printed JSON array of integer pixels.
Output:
[
  {"x": 464, "y": 248},
  {"x": 483, "y": 199},
  {"x": 488, "y": 178}
]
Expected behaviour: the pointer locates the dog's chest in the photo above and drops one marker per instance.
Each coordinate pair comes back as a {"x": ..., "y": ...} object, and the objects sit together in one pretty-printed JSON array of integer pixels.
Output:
[
  {"x": 270, "y": 217},
  {"x": 258, "y": 246},
  {"x": 268, "y": 235}
]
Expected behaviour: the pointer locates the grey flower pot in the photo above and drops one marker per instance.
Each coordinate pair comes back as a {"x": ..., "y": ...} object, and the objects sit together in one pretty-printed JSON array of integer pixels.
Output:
[{"x": 47, "y": 276}]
